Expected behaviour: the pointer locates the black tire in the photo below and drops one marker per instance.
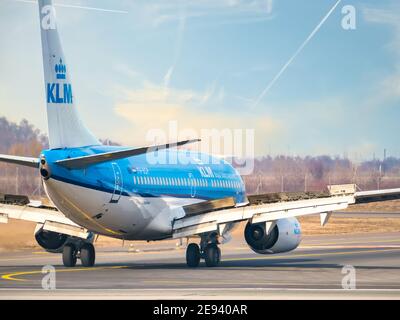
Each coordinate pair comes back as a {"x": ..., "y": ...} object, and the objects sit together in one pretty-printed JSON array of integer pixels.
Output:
[
  {"x": 69, "y": 256},
  {"x": 212, "y": 255},
  {"x": 193, "y": 255},
  {"x": 88, "y": 255}
]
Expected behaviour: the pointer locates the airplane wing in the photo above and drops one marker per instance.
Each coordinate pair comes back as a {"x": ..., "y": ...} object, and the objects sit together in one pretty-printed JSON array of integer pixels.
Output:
[
  {"x": 217, "y": 214},
  {"x": 85, "y": 161},
  {"x": 214, "y": 215},
  {"x": 49, "y": 218}
]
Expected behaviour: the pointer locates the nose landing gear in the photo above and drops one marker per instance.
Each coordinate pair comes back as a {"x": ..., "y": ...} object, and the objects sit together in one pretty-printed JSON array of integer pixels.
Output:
[{"x": 85, "y": 252}]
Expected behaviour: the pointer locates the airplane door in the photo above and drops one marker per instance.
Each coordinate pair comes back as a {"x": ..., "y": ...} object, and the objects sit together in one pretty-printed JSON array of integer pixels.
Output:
[
  {"x": 192, "y": 183},
  {"x": 118, "y": 183}
]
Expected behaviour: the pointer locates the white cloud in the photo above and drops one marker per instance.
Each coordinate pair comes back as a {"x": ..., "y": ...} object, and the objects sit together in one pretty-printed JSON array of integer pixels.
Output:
[
  {"x": 389, "y": 86},
  {"x": 154, "y": 106},
  {"x": 160, "y": 12},
  {"x": 126, "y": 70},
  {"x": 389, "y": 17}
]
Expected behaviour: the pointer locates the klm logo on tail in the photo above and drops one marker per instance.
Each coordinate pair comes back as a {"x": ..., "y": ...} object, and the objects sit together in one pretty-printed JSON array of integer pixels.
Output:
[{"x": 59, "y": 92}]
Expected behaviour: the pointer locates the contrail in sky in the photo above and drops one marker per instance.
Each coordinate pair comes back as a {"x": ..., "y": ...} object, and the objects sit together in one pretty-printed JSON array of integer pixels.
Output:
[
  {"x": 178, "y": 47},
  {"x": 312, "y": 34},
  {"x": 77, "y": 7}
]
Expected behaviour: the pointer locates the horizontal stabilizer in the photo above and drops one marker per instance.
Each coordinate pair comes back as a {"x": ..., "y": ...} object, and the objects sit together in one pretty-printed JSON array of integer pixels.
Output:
[
  {"x": 85, "y": 161},
  {"x": 23, "y": 161}
]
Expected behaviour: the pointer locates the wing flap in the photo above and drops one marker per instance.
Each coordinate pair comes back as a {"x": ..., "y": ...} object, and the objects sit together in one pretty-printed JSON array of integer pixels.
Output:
[
  {"x": 48, "y": 218},
  {"x": 38, "y": 215}
]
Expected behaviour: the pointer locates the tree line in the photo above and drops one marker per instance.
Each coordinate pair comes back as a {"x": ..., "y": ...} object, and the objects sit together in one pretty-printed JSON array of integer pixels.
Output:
[{"x": 270, "y": 174}]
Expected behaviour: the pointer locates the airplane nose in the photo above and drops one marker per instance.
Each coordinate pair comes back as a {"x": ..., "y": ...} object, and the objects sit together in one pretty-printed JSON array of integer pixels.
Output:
[{"x": 44, "y": 168}]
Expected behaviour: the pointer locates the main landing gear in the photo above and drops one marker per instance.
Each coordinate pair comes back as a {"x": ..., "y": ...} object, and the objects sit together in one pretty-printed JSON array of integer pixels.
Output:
[
  {"x": 85, "y": 252},
  {"x": 208, "y": 250}
]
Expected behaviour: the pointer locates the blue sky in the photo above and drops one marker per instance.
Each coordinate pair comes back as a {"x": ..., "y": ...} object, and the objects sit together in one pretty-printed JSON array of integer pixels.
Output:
[{"x": 204, "y": 63}]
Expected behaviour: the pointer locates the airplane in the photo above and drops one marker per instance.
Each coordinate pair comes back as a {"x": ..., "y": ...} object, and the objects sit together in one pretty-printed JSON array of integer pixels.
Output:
[{"x": 116, "y": 192}]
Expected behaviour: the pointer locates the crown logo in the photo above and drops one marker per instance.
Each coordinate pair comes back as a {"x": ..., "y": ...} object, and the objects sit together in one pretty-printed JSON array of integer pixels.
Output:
[{"x": 60, "y": 70}]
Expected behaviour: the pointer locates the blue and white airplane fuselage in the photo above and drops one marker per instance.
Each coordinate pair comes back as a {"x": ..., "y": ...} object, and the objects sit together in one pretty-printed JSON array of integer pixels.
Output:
[{"x": 132, "y": 199}]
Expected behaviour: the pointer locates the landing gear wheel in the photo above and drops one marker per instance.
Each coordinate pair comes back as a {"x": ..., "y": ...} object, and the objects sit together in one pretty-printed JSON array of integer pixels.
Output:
[
  {"x": 212, "y": 255},
  {"x": 88, "y": 255},
  {"x": 69, "y": 256},
  {"x": 193, "y": 255}
]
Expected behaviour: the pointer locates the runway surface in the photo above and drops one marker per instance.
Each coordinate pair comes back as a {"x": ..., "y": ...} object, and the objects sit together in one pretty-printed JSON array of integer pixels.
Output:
[{"x": 314, "y": 270}]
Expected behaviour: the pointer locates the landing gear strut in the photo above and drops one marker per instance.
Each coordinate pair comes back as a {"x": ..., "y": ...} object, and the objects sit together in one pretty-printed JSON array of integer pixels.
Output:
[
  {"x": 208, "y": 250},
  {"x": 86, "y": 253}
]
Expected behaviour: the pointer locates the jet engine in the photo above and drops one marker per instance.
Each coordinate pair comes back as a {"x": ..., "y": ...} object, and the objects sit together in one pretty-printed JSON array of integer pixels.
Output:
[
  {"x": 54, "y": 241},
  {"x": 51, "y": 241},
  {"x": 284, "y": 236}
]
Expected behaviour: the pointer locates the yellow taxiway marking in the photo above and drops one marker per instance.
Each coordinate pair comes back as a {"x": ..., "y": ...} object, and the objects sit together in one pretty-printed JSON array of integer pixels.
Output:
[
  {"x": 12, "y": 276},
  {"x": 313, "y": 254}
]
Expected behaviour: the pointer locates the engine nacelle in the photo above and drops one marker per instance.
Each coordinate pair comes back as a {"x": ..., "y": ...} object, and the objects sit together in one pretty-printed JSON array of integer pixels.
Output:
[
  {"x": 285, "y": 236},
  {"x": 55, "y": 241},
  {"x": 51, "y": 241}
]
